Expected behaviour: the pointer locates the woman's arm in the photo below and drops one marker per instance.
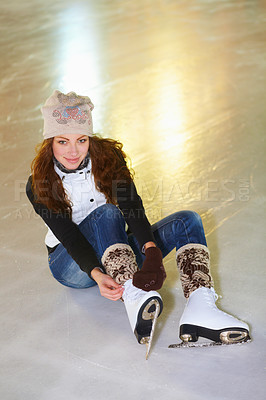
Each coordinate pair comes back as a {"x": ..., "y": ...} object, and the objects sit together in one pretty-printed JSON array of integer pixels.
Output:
[
  {"x": 149, "y": 244},
  {"x": 68, "y": 233},
  {"x": 152, "y": 274},
  {"x": 132, "y": 208}
]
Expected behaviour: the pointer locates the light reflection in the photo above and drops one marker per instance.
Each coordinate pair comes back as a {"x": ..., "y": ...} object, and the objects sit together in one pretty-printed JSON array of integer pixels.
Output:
[
  {"x": 153, "y": 117},
  {"x": 79, "y": 70},
  {"x": 171, "y": 120}
]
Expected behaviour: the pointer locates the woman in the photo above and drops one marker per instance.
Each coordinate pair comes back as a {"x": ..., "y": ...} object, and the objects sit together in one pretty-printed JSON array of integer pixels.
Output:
[{"x": 83, "y": 190}]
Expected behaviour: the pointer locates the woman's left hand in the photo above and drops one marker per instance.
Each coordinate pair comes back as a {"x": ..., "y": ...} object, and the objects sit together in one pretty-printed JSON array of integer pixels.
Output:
[{"x": 152, "y": 274}]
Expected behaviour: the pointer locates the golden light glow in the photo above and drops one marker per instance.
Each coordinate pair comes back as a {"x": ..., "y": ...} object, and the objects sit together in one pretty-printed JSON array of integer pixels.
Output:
[
  {"x": 79, "y": 70},
  {"x": 170, "y": 124}
]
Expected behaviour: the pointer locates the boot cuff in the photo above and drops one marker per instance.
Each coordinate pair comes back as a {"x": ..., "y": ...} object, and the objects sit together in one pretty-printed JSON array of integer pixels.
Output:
[
  {"x": 190, "y": 246},
  {"x": 117, "y": 248}
]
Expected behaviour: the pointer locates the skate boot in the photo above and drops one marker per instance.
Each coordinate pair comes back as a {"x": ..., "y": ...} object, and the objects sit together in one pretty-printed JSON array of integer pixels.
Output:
[
  {"x": 201, "y": 317},
  {"x": 141, "y": 307}
]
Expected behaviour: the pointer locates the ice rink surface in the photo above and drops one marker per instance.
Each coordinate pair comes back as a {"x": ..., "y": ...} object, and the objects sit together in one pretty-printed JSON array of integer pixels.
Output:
[{"x": 182, "y": 85}]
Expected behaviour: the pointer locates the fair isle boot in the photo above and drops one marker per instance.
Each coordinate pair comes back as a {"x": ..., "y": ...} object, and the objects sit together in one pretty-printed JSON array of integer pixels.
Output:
[
  {"x": 120, "y": 263},
  {"x": 201, "y": 317}
]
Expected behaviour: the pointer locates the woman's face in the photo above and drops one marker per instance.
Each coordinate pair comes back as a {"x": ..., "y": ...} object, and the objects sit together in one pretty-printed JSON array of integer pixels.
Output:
[{"x": 70, "y": 149}]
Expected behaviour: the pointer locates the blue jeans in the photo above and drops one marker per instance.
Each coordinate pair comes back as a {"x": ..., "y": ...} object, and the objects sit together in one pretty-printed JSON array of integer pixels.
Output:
[{"x": 105, "y": 226}]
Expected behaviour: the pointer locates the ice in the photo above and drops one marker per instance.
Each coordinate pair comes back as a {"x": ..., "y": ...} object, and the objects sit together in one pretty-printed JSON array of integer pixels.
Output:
[{"x": 182, "y": 85}]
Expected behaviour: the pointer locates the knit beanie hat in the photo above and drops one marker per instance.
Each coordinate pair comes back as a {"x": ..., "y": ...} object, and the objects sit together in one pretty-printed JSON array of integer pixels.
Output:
[{"x": 67, "y": 113}]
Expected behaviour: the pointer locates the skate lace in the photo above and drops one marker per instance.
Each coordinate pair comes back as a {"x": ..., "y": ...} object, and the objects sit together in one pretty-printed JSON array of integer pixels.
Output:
[
  {"x": 132, "y": 293},
  {"x": 211, "y": 297}
]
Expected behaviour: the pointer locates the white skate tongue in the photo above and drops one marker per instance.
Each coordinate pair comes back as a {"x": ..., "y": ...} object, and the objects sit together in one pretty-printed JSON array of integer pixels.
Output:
[{"x": 156, "y": 314}]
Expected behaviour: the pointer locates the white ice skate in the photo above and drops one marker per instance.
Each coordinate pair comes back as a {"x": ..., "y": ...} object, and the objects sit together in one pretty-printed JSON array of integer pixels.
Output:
[
  {"x": 142, "y": 310},
  {"x": 201, "y": 318}
]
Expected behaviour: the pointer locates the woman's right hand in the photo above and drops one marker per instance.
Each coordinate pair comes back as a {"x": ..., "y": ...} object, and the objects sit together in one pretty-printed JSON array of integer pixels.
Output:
[{"x": 107, "y": 286}]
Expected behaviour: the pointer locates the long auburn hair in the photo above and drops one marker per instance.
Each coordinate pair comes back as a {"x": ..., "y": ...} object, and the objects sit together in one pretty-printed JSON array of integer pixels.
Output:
[{"x": 108, "y": 165}]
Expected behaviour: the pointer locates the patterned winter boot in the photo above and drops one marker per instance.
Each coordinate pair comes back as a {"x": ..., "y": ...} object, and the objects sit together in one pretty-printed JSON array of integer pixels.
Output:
[
  {"x": 120, "y": 263},
  {"x": 201, "y": 317}
]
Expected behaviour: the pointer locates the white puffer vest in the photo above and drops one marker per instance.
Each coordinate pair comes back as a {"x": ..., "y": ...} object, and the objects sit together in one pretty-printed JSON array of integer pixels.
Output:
[{"x": 84, "y": 196}]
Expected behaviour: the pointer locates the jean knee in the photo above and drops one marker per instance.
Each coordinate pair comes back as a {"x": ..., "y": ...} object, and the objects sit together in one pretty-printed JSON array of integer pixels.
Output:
[
  {"x": 111, "y": 211},
  {"x": 197, "y": 218},
  {"x": 108, "y": 211},
  {"x": 79, "y": 280},
  {"x": 196, "y": 231},
  {"x": 192, "y": 216}
]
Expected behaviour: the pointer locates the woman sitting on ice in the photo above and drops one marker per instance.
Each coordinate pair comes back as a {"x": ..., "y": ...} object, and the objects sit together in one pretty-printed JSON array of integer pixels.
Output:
[{"x": 83, "y": 190}]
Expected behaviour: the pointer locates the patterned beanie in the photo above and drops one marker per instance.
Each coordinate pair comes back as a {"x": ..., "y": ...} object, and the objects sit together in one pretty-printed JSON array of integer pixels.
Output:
[{"x": 67, "y": 113}]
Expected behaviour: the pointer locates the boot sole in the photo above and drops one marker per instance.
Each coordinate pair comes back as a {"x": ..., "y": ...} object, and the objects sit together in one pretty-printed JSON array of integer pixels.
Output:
[
  {"x": 191, "y": 333},
  {"x": 145, "y": 318}
]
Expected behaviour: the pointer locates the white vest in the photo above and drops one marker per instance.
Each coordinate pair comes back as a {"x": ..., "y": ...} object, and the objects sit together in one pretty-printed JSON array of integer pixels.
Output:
[{"x": 82, "y": 193}]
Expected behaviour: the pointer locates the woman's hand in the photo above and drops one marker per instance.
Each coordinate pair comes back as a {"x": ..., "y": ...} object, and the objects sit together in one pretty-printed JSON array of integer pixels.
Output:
[
  {"x": 152, "y": 274},
  {"x": 107, "y": 286}
]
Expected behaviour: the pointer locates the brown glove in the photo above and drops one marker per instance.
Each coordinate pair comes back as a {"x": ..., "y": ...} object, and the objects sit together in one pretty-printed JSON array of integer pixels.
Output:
[{"x": 152, "y": 274}]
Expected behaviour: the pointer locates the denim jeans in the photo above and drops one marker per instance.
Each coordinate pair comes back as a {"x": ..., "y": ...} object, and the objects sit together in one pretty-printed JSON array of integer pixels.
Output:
[{"x": 105, "y": 226}]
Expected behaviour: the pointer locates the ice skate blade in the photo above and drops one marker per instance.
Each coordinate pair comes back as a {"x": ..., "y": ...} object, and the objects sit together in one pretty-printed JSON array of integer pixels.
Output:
[
  {"x": 156, "y": 314},
  {"x": 198, "y": 344},
  {"x": 234, "y": 336},
  {"x": 191, "y": 333},
  {"x": 147, "y": 312},
  {"x": 145, "y": 340}
]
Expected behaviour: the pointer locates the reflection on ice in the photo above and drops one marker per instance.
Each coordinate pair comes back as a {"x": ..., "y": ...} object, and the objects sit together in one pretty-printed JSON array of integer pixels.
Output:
[
  {"x": 78, "y": 50},
  {"x": 182, "y": 85}
]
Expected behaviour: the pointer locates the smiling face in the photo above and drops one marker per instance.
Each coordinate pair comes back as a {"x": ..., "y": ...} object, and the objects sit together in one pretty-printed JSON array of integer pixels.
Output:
[{"x": 70, "y": 149}]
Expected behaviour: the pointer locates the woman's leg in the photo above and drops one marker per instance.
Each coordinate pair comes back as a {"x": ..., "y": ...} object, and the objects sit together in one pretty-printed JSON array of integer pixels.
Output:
[
  {"x": 104, "y": 229},
  {"x": 173, "y": 232},
  {"x": 184, "y": 231},
  {"x": 177, "y": 230},
  {"x": 66, "y": 271}
]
